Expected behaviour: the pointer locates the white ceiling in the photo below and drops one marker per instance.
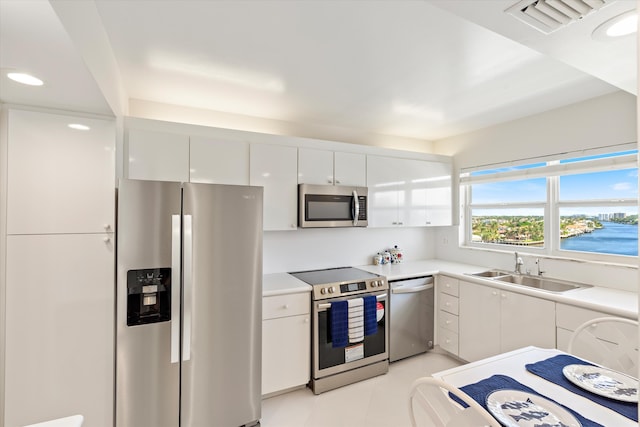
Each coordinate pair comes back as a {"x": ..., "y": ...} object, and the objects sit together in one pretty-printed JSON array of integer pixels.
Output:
[{"x": 420, "y": 69}]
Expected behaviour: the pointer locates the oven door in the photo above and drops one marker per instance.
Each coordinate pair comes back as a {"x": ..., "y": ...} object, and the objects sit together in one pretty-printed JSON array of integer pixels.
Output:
[{"x": 328, "y": 360}]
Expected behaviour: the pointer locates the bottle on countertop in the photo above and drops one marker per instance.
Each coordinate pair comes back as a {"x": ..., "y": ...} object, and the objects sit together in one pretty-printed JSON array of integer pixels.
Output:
[{"x": 377, "y": 259}]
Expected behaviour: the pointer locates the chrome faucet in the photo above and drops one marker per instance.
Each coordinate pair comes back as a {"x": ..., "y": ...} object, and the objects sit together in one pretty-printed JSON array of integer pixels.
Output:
[
  {"x": 519, "y": 264},
  {"x": 538, "y": 266}
]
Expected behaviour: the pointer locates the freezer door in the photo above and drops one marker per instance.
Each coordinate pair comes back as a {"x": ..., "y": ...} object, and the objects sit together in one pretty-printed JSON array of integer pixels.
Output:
[
  {"x": 222, "y": 333},
  {"x": 147, "y": 383}
]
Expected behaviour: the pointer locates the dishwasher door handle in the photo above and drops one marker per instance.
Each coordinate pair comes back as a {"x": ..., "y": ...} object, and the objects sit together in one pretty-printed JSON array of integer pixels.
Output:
[{"x": 411, "y": 289}]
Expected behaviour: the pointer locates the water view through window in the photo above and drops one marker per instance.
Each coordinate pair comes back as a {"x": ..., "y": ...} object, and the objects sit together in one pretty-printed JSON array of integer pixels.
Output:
[{"x": 594, "y": 212}]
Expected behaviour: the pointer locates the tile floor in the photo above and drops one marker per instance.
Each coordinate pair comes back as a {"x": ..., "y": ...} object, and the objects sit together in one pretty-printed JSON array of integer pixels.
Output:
[{"x": 376, "y": 402}]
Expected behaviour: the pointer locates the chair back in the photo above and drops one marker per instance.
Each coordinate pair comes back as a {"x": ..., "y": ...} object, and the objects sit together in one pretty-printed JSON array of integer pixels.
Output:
[
  {"x": 430, "y": 405},
  {"x": 611, "y": 342}
]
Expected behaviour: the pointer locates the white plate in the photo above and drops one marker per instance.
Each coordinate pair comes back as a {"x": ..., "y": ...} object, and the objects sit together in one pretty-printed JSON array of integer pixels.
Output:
[
  {"x": 514, "y": 408},
  {"x": 603, "y": 381}
]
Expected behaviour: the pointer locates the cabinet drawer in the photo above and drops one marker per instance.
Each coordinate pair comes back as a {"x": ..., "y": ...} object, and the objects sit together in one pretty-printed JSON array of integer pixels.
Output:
[
  {"x": 285, "y": 305},
  {"x": 448, "y": 340},
  {"x": 448, "y": 285},
  {"x": 448, "y": 303},
  {"x": 448, "y": 321}
]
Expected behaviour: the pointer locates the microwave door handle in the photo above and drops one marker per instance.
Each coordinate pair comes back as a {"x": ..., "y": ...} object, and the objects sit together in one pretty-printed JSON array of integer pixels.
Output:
[{"x": 355, "y": 208}]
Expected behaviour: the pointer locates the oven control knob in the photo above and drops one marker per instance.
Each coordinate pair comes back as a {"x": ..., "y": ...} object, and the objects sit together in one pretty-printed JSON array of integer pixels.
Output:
[
  {"x": 332, "y": 289},
  {"x": 323, "y": 291},
  {"x": 377, "y": 283}
]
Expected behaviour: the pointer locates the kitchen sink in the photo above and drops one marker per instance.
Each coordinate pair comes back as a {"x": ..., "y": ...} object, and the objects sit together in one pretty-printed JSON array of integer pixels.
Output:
[
  {"x": 542, "y": 283},
  {"x": 489, "y": 273}
]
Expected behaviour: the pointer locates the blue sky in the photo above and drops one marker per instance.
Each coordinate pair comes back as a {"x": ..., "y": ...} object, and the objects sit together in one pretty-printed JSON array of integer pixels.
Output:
[{"x": 615, "y": 184}]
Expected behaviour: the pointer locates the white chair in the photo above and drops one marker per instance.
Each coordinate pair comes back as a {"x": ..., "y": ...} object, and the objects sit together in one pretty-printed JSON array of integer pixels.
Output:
[
  {"x": 611, "y": 342},
  {"x": 430, "y": 405}
]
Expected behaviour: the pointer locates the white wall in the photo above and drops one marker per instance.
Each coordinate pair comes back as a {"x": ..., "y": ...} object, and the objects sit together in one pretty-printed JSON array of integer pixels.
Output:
[
  {"x": 197, "y": 116},
  {"x": 307, "y": 249},
  {"x": 602, "y": 121}
]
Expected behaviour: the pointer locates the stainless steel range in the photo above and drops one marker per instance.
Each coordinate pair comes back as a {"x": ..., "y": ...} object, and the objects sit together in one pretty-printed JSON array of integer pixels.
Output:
[{"x": 350, "y": 329}]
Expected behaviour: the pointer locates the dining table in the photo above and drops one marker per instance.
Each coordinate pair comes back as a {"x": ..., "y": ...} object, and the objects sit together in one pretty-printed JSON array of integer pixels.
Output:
[{"x": 525, "y": 368}]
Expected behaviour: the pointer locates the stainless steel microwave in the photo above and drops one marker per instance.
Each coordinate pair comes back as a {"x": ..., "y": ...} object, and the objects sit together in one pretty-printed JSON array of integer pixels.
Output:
[{"x": 332, "y": 206}]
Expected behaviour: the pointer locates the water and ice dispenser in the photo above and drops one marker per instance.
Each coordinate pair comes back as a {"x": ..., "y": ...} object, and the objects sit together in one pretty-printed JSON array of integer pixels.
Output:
[{"x": 148, "y": 296}]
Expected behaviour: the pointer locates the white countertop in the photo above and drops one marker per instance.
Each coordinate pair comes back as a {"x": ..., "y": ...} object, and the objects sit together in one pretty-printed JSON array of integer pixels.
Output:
[
  {"x": 611, "y": 301},
  {"x": 282, "y": 284},
  {"x": 607, "y": 300}
]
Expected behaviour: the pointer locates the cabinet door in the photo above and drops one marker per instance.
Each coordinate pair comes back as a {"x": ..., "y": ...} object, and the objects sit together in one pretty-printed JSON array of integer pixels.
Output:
[
  {"x": 384, "y": 191},
  {"x": 413, "y": 179},
  {"x": 437, "y": 186},
  {"x": 350, "y": 169},
  {"x": 526, "y": 321},
  {"x": 275, "y": 168},
  {"x": 315, "y": 166},
  {"x": 59, "y": 328},
  {"x": 286, "y": 354},
  {"x": 60, "y": 180},
  {"x": 157, "y": 156},
  {"x": 218, "y": 162},
  {"x": 479, "y": 321}
]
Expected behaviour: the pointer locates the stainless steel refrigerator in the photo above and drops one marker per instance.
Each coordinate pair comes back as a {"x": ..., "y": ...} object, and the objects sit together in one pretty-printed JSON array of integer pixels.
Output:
[{"x": 189, "y": 304}]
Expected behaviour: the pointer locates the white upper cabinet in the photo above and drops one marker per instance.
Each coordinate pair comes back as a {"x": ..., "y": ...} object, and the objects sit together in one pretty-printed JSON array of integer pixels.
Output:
[
  {"x": 350, "y": 169},
  {"x": 408, "y": 192},
  {"x": 274, "y": 167},
  {"x": 219, "y": 162},
  {"x": 437, "y": 185},
  {"x": 315, "y": 166},
  {"x": 60, "y": 180},
  {"x": 323, "y": 167},
  {"x": 157, "y": 156}
]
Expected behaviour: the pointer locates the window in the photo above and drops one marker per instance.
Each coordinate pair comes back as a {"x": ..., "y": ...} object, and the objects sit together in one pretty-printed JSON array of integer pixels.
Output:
[{"x": 584, "y": 207}]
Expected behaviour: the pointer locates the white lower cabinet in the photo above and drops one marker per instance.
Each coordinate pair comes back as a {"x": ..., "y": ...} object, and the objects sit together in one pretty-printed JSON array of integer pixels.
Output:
[
  {"x": 568, "y": 318},
  {"x": 59, "y": 328},
  {"x": 494, "y": 321},
  {"x": 447, "y": 313},
  {"x": 286, "y": 342}
]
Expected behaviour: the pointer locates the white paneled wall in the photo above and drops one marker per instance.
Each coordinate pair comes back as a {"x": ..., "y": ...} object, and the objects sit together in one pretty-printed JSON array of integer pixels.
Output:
[{"x": 336, "y": 247}]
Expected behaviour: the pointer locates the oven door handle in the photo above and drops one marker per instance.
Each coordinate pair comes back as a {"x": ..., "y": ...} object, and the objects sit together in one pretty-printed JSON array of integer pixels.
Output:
[{"x": 327, "y": 305}]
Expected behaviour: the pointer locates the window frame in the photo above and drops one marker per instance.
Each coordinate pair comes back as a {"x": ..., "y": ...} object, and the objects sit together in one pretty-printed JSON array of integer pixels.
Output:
[{"x": 620, "y": 158}]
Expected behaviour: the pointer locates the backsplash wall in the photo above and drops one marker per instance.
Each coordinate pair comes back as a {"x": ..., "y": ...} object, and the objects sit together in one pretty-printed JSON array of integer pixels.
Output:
[{"x": 308, "y": 249}]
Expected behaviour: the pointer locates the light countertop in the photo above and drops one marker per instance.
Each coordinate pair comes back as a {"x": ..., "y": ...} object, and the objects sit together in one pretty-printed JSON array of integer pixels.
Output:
[
  {"x": 282, "y": 284},
  {"x": 610, "y": 301}
]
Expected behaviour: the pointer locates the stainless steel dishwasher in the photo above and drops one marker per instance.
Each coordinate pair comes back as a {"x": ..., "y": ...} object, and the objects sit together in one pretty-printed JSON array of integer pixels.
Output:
[{"x": 411, "y": 317}]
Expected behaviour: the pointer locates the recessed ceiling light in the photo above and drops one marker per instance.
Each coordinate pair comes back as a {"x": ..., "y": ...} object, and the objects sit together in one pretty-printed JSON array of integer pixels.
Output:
[
  {"x": 26, "y": 79},
  {"x": 78, "y": 126},
  {"x": 618, "y": 26}
]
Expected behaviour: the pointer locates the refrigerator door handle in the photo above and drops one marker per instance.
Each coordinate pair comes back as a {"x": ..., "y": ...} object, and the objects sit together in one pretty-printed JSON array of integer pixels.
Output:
[
  {"x": 187, "y": 286},
  {"x": 175, "y": 288}
]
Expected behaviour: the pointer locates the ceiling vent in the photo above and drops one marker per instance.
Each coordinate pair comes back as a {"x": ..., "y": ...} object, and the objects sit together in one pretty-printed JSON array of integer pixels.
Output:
[{"x": 548, "y": 16}]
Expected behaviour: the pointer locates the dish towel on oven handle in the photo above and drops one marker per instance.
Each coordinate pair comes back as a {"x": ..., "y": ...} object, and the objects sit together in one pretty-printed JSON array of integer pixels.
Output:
[
  {"x": 482, "y": 389},
  {"x": 551, "y": 370},
  {"x": 339, "y": 324},
  {"x": 370, "y": 314},
  {"x": 356, "y": 320}
]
